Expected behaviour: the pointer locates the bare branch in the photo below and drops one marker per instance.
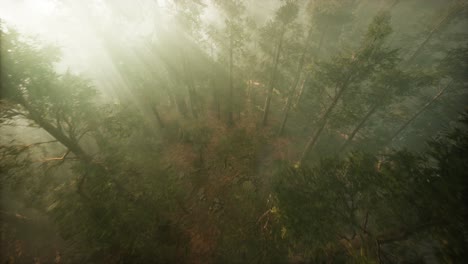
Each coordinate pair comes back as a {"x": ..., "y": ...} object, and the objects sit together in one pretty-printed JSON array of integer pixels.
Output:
[
  {"x": 63, "y": 158},
  {"x": 83, "y": 133},
  {"x": 40, "y": 143}
]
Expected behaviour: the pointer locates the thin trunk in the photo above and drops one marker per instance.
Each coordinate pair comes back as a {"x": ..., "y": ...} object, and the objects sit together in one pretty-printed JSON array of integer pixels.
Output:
[
  {"x": 253, "y": 101},
  {"x": 158, "y": 117},
  {"x": 301, "y": 92},
  {"x": 322, "y": 37},
  {"x": 376, "y": 106},
  {"x": 58, "y": 134},
  {"x": 249, "y": 95},
  {"x": 213, "y": 86},
  {"x": 181, "y": 105},
  {"x": 359, "y": 126},
  {"x": 191, "y": 90},
  {"x": 193, "y": 108},
  {"x": 297, "y": 77},
  {"x": 285, "y": 115},
  {"x": 439, "y": 26},
  {"x": 171, "y": 96},
  {"x": 2, "y": 89},
  {"x": 273, "y": 76},
  {"x": 215, "y": 100},
  {"x": 73, "y": 146},
  {"x": 188, "y": 83},
  {"x": 230, "y": 118},
  {"x": 323, "y": 121},
  {"x": 424, "y": 108},
  {"x": 218, "y": 110},
  {"x": 313, "y": 140}
]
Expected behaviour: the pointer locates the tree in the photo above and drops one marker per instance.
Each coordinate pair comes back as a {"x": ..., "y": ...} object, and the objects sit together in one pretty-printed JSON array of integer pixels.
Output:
[
  {"x": 232, "y": 11},
  {"x": 284, "y": 16},
  {"x": 451, "y": 79},
  {"x": 154, "y": 155},
  {"x": 345, "y": 73},
  {"x": 378, "y": 205},
  {"x": 295, "y": 82},
  {"x": 385, "y": 90},
  {"x": 91, "y": 202}
]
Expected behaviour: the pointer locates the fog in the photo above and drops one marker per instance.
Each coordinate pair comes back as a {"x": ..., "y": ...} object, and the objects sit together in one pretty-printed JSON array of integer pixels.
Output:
[{"x": 233, "y": 131}]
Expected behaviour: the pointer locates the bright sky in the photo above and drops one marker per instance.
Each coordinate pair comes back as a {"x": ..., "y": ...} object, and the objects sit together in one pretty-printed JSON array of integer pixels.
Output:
[
  {"x": 72, "y": 25},
  {"x": 76, "y": 27},
  {"x": 28, "y": 16},
  {"x": 50, "y": 22}
]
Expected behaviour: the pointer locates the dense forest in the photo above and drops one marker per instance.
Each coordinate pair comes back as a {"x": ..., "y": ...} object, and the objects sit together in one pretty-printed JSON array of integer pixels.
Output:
[{"x": 236, "y": 131}]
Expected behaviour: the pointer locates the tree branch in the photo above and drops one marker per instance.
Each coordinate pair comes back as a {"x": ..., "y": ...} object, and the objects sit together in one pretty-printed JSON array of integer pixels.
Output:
[
  {"x": 63, "y": 158},
  {"x": 39, "y": 143}
]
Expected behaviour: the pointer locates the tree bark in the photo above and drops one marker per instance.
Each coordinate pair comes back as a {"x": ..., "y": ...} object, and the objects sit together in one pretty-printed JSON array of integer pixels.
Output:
[
  {"x": 273, "y": 76},
  {"x": 301, "y": 92},
  {"x": 158, "y": 117},
  {"x": 295, "y": 82},
  {"x": 315, "y": 57},
  {"x": 439, "y": 26},
  {"x": 58, "y": 134},
  {"x": 193, "y": 108},
  {"x": 359, "y": 126},
  {"x": 230, "y": 118},
  {"x": 418, "y": 113},
  {"x": 189, "y": 83},
  {"x": 323, "y": 121}
]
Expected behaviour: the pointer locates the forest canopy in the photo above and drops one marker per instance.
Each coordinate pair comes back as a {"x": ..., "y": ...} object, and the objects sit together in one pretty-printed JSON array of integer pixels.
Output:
[{"x": 234, "y": 131}]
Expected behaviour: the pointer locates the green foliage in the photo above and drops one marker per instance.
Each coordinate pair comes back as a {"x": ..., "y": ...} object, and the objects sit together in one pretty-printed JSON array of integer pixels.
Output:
[
  {"x": 152, "y": 173},
  {"x": 401, "y": 196},
  {"x": 287, "y": 12},
  {"x": 17, "y": 53}
]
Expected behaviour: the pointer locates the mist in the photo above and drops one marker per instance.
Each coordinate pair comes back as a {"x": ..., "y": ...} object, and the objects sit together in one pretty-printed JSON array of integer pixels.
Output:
[{"x": 233, "y": 131}]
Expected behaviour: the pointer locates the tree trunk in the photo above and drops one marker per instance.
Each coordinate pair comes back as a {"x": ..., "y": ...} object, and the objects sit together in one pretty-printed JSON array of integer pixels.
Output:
[
  {"x": 301, "y": 92},
  {"x": 181, "y": 105},
  {"x": 193, "y": 108},
  {"x": 215, "y": 99},
  {"x": 273, "y": 76},
  {"x": 439, "y": 26},
  {"x": 230, "y": 118},
  {"x": 315, "y": 57},
  {"x": 359, "y": 126},
  {"x": 407, "y": 123},
  {"x": 216, "y": 105},
  {"x": 295, "y": 82},
  {"x": 58, "y": 134},
  {"x": 171, "y": 96},
  {"x": 73, "y": 146},
  {"x": 190, "y": 87},
  {"x": 421, "y": 46},
  {"x": 313, "y": 140},
  {"x": 158, "y": 117},
  {"x": 286, "y": 114}
]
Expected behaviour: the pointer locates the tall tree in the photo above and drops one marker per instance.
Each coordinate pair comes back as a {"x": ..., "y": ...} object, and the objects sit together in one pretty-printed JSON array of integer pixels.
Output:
[
  {"x": 284, "y": 16},
  {"x": 348, "y": 72},
  {"x": 296, "y": 81}
]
